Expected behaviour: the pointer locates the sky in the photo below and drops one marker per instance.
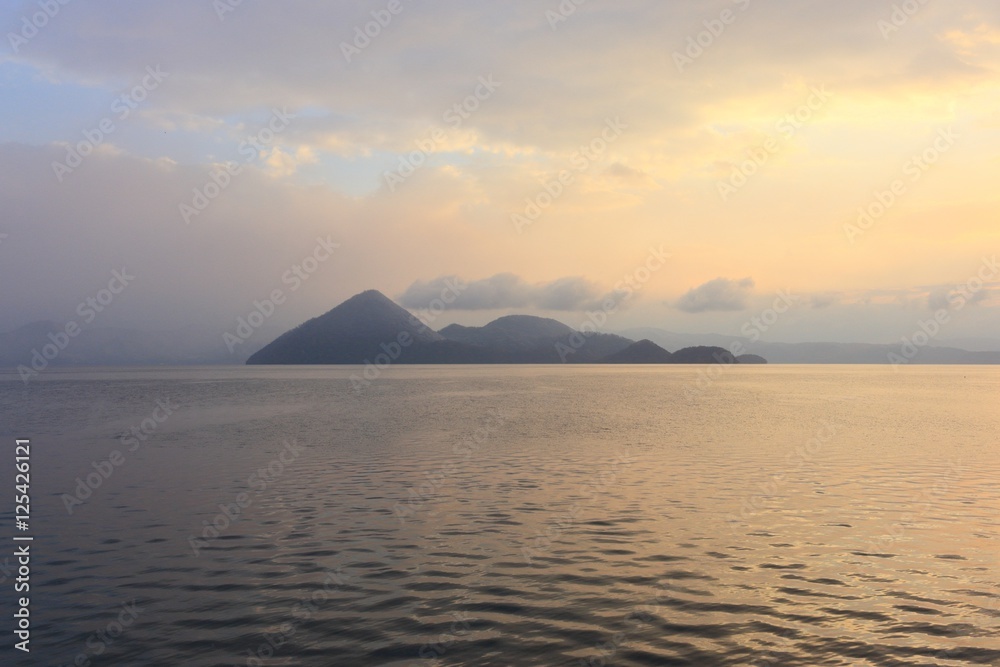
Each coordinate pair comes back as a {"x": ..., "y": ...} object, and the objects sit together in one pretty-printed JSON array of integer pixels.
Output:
[{"x": 696, "y": 163}]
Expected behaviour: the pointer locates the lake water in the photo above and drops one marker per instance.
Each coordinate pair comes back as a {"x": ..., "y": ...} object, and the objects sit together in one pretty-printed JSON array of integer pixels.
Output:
[{"x": 521, "y": 515}]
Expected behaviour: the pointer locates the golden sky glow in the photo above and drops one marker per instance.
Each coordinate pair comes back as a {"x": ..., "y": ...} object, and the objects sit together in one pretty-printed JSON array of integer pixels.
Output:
[{"x": 749, "y": 160}]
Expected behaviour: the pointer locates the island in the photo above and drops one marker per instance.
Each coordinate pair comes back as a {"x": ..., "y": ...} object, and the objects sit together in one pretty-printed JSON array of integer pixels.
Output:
[{"x": 370, "y": 326}]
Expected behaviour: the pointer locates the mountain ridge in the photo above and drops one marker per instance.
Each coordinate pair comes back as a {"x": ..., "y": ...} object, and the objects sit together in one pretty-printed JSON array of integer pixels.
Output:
[{"x": 370, "y": 326}]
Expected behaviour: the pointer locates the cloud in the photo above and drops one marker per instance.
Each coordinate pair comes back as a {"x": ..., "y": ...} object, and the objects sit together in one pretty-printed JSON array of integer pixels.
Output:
[
  {"x": 505, "y": 290},
  {"x": 630, "y": 176},
  {"x": 938, "y": 300},
  {"x": 947, "y": 298},
  {"x": 721, "y": 294},
  {"x": 824, "y": 300},
  {"x": 283, "y": 164},
  {"x": 566, "y": 294}
]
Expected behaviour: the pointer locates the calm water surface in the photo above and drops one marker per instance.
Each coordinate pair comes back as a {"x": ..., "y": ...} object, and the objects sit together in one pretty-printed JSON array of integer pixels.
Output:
[{"x": 510, "y": 516}]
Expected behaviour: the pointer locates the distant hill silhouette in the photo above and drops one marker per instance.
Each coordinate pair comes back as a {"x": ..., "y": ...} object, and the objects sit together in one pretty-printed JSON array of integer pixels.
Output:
[
  {"x": 702, "y": 354},
  {"x": 360, "y": 329},
  {"x": 370, "y": 327},
  {"x": 520, "y": 331},
  {"x": 824, "y": 353},
  {"x": 109, "y": 346},
  {"x": 641, "y": 352},
  {"x": 525, "y": 339},
  {"x": 751, "y": 359}
]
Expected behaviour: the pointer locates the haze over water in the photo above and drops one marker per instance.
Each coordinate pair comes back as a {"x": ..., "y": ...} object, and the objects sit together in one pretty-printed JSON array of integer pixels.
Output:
[{"x": 519, "y": 516}]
